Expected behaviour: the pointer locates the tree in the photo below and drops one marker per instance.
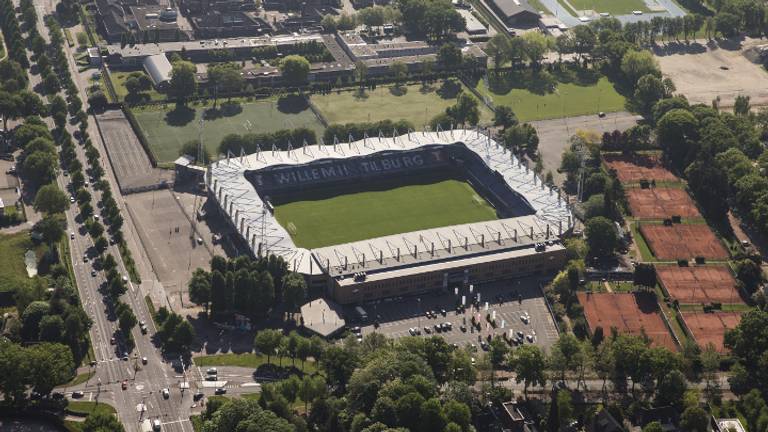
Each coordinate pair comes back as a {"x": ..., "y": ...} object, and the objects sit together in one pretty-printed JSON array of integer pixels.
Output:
[
  {"x": 200, "y": 288},
  {"x": 498, "y": 49},
  {"x": 653, "y": 426},
  {"x": 536, "y": 46},
  {"x": 137, "y": 82},
  {"x": 749, "y": 343},
  {"x": 694, "y": 419},
  {"x": 449, "y": 56},
  {"x": 338, "y": 364},
  {"x": 399, "y": 71},
  {"x": 51, "y": 328},
  {"x": 431, "y": 417},
  {"x": 528, "y": 363},
  {"x": 709, "y": 184},
  {"x": 127, "y": 320},
  {"x": 100, "y": 421},
  {"x": 671, "y": 389},
  {"x": 98, "y": 100},
  {"x": 295, "y": 70},
  {"x": 51, "y": 365},
  {"x": 50, "y": 199},
  {"x": 40, "y": 167},
  {"x": 183, "y": 83},
  {"x": 741, "y": 105},
  {"x": 728, "y": 24},
  {"x": 51, "y": 227},
  {"x": 645, "y": 275},
  {"x": 584, "y": 39},
  {"x": 504, "y": 117},
  {"x": 602, "y": 239},
  {"x": 267, "y": 341},
  {"x": 498, "y": 351},
  {"x": 676, "y": 132},
  {"x": 465, "y": 111},
  {"x": 648, "y": 91},
  {"x": 294, "y": 290},
  {"x": 226, "y": 77},
  {"x": 361, "y": 73},
  {"x": 9, "y": 107},
  {"x": 311, "y": 388},
  {"x": 522, "y": 139},
  {"x": 635, "y": 64}
]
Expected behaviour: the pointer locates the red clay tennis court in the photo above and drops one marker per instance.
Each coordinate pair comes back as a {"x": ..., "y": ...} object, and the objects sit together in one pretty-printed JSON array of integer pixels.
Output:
[
  {"x": 683, "y": 242},
  {"x": 629, "y": 313},
  {"x": 700, "y": 284},
  {"x": 661, "y": 203},
  {"x": 709, "y": 328},
  {"x": 633, "y": 168}
]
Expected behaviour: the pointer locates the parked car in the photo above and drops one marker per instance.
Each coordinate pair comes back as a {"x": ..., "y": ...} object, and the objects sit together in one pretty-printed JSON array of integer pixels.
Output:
[
  {"x": 166, "y": 393},
  {"x": 220, "y": 391}
]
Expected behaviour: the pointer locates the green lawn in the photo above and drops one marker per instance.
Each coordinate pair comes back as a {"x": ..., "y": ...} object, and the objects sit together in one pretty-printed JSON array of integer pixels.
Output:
[
  {"x": 118, "y": 80},
  {"x": 414, "y": 103},
  {"x": 85, "y": 407},
  {"x": 167, "y": 128},
  {"x": 83, "y": 377},
  {"x": 249, "y": 360},
  {"x": 12, "y": 268},
  {"x": 533, "y": 98},
  {"x": 393, "y": 207},
  {"x": 613, "y": 7}
]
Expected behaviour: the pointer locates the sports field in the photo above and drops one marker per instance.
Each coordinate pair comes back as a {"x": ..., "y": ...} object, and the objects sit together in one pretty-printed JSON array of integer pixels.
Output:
[
  {"x": 683, "y": 242},
  {"x": 634, "y": 168},
  {"x": 567, "y": 100},
  {"x": 414, "y": 103},
  {"x": 710, "y": 328},
  {"x": 167, "y": 129},
  {"x": 700, "y": 285},
  {"x": 613, "y": 7},
  {"x": 342, "y": 215}
]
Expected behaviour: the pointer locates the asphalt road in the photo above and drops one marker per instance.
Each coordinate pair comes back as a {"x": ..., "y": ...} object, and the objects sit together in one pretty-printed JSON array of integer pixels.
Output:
[{"x": 142, "y": 399}]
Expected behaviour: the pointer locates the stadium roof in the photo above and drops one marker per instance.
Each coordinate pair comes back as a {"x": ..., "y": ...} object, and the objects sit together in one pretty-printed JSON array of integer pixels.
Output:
[{"x": 254, "y": 220}]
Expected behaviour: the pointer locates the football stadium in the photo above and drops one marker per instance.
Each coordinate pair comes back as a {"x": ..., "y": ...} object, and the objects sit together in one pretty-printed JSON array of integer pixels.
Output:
[{"x": 391, "y": 216}]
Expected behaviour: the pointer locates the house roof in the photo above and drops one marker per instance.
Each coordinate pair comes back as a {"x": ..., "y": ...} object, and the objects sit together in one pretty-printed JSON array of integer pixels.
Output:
[{"x": 513, "y": 8}]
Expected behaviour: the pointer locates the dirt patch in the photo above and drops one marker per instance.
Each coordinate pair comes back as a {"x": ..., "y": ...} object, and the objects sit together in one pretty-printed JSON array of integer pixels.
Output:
[
  {"x": 703, "y": 284},
  {"x": 683, "y": 242},
  {"x": 634, "y": 168},
  {"x": 633, "y": 313},
  {"x": 661, "y": 203},
  {"x": 705, "y": 72},
  {"x": 710, "y": 328}
]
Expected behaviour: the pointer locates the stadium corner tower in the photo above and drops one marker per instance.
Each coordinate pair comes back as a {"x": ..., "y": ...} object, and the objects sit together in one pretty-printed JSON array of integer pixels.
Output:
[{"x": 523, "y": 239}]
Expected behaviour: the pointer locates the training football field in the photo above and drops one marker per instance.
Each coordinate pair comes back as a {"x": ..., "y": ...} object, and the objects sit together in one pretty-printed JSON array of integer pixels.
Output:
[{"x": 336, "y": 216}]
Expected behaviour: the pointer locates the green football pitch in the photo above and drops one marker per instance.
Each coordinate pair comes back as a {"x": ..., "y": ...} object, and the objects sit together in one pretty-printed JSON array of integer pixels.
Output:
[
  {"x": 342, "y": 215},
  {"x": 167, "y": 129}
]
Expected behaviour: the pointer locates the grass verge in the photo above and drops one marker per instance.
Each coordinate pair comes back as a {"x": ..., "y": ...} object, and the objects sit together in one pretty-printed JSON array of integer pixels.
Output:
[
  {"x": 151, "y": 309},
  {"x": 84, "y": 408},
  {"x": 248, "y": 360},
  {"x": 83, "y": 377}
]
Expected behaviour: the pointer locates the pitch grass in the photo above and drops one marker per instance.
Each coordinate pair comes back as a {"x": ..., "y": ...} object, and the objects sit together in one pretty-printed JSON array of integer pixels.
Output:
[
  {"x": 344, "y": 215},
  {"x": 531, "y": 101},
  {"x": 613, "y": 7},
  {"x": 167, "y": 128},
  {"x": 415, "y": 103}
]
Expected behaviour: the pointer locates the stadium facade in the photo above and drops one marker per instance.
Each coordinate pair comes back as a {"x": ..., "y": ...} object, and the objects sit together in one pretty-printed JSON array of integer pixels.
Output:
[{"x": 525, "y": 240}]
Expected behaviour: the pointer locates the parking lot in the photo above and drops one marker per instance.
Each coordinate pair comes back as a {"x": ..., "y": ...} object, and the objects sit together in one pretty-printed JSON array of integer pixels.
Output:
[{"x": 517, "y": 306}]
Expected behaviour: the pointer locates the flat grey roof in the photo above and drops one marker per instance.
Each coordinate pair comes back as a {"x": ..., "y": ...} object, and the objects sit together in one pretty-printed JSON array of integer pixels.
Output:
[
  {"x": 511, "y": 8},
  {"x": 322, "y": 316}
]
